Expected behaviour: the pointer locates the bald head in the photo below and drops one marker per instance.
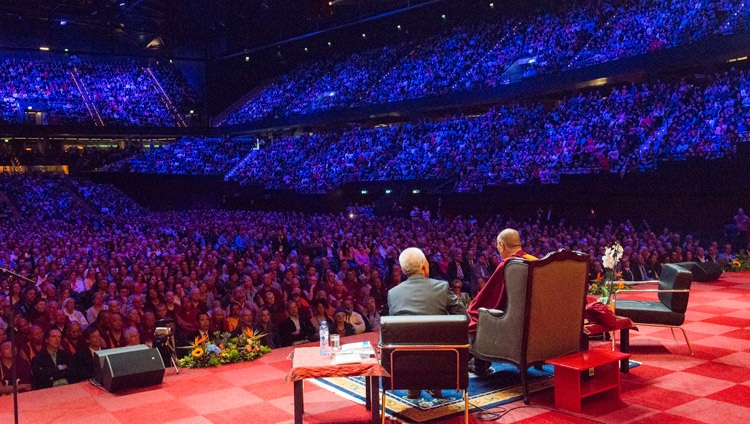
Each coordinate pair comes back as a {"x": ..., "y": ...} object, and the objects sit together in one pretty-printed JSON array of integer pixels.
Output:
[
  {"x": 412, "y": 261},
  {"x": 508, "y": 242}
]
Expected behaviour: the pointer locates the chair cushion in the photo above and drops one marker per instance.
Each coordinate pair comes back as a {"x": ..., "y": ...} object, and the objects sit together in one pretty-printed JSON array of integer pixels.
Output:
[
  {"x": 599, "y": 313},
  {"x": 648, "y": 312}
]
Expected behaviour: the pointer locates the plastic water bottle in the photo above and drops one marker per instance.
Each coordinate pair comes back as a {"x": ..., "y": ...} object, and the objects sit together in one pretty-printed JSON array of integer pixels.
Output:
[{"x": 323, "y": 339}]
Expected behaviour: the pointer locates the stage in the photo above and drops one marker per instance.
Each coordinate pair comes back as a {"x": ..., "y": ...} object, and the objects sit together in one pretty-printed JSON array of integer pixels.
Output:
[
  {"x": 246, "y": 392},
  {"x": 670, "y": 386}
]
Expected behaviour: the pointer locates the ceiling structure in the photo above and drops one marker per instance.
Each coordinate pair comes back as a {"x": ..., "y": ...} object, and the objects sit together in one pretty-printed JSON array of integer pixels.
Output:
[{"x": 217, "y": 26}]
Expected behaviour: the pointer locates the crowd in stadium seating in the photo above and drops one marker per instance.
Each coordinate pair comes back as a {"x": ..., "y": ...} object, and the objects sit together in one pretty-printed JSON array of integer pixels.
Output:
[
  {"x": 189, "y": 155},
  {"x": 570, "y": 36},
  {"x": 107, "y": 199},
  {"x": 123, "y": 92},
  {"x": 40, "y": 84},
  {"x": 242, "y": 267},
  {"x": 626, "y": 129}
]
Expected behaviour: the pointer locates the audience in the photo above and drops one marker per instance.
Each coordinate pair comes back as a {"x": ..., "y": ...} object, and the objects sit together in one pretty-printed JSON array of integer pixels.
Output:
[
  {"x": 567, "y": 36},
  {"x": 122, "y": 92}
]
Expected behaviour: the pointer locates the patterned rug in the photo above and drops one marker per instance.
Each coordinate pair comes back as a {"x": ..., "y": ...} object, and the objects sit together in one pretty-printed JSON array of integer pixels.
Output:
[{"x": 504, "y": 386}]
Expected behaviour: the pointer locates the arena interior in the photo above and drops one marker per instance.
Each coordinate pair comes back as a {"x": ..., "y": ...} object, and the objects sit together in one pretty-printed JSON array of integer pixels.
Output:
[{"x": 167, "y": 159}]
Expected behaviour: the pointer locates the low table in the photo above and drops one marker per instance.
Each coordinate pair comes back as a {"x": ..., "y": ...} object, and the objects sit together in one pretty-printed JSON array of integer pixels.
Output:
[
  {"x": 624, "y": 325},
  {"x": 307, "y": 363},
  {"x": 571, "y": 388}
]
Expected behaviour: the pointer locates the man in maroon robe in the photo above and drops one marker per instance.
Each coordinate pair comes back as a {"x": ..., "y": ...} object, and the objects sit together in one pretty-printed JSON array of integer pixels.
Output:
[{"x": 492, "y": 295}]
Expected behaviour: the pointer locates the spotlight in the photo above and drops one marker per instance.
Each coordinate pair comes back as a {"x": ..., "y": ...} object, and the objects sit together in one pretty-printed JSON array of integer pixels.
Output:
[
  {"x": 363, "y": 191},
  {"x": 44, "y": 49},
  {"x": 122, "y": 4},
  {"x": 364, "y": 35},
  {"x": 329, "y": 44},
  {"x": 305, "y": 48},
  {"x": 415, "y": 191},
  {"x": 192, "y": 111},
  {"x": 63, "y": 22},
  {"x": 443, "y": 16},
  {"x": 398, "y": 27},
  {"x": 247, "y": 58},
  {"x": 388, "y": 191},
  {"x": 66, "y": 50},
  {"x": 492, "y": 5}
]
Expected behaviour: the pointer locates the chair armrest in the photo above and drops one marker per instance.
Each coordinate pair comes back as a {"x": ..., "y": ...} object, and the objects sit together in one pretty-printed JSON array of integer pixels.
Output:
[
  {"x": 495, "y": 313},
  {"x": 614, "y": 295},
  {"x": 636, "y": 283}
]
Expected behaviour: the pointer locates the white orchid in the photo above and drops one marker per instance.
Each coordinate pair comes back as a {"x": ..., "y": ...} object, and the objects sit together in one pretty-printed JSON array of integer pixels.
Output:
[{"x": 611, "y": 256}]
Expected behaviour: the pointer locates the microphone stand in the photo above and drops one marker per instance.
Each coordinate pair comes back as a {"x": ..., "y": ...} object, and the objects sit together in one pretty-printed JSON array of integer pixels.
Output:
[{"x": 14, "y": 373}]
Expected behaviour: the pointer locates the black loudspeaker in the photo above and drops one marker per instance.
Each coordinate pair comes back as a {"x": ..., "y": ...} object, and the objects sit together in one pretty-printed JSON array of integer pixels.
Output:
[
  {"x": 130, "y": 368},
  {"x": 703, "y": 271}
]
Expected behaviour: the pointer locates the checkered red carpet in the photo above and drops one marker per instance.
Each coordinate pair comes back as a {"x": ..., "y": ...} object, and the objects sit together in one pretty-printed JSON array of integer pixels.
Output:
[{"x": 669, "y": 387}]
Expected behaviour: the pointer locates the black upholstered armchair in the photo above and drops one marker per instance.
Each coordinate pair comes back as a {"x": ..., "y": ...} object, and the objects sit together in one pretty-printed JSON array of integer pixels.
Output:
[
  {"x": 669, "y": 311},
  {"x": 544, "y": 316},
  {"x": 425, "y": 352}
]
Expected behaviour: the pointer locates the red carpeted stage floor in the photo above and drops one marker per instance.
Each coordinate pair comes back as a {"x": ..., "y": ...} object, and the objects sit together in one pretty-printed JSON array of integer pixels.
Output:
[{"x": 669, "y": 387}]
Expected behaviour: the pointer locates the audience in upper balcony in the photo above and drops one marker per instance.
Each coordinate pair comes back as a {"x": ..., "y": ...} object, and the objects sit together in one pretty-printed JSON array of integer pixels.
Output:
[
  {"x": 569, "y": 35},
  {"x": 65, "y": 88}
]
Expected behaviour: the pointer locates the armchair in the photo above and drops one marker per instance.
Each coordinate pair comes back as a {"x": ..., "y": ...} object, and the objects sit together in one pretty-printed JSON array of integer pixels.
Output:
[
  {"x": 544, "y": 317},
  {"x": 428, "y": 352},
  {"x": 673, "y": 292}
]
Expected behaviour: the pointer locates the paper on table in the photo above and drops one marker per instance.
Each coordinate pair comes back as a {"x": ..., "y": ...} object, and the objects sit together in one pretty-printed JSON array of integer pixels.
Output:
[{"x": 346, "y": 358}]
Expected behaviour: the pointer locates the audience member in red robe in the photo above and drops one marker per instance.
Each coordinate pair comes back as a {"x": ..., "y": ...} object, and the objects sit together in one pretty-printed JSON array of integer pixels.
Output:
[{"x": 492, "y": 295}]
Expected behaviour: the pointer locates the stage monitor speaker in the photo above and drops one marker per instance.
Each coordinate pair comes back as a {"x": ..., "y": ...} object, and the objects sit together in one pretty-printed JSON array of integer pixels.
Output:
[
  {"x": 102, "y": 354},
  {"x": 703, "y": 271},
  {"x": 132, "y": 369}
]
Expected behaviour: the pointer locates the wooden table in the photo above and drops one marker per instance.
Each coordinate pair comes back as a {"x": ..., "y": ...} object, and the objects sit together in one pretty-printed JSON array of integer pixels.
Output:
[
  {"x": 571, "y": 387},
  {"x": 624, "y": 325},
  {"x": 307, "y": 363}
]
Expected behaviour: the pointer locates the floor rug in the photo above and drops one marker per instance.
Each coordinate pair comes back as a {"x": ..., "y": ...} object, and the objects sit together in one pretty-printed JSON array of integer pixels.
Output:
[{"x": 503, "y": 386}]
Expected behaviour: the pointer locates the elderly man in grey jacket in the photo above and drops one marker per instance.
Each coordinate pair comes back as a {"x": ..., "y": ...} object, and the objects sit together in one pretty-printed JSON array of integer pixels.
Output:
[{"x": 421, "y": 295}]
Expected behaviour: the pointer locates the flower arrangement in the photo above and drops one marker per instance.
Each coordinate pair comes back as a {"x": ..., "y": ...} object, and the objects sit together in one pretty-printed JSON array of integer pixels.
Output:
[
  {"x": 224, "y": 349},
  {"x": 604, "y": 285},
  {"x": 739, "y": 264}
]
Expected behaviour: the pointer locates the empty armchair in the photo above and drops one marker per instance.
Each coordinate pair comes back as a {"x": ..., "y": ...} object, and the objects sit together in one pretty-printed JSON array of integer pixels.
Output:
[
  {"x": 669, "y": 311},
  {"x": 544, "y": 316},
  {"x": 429, "y": 352}
]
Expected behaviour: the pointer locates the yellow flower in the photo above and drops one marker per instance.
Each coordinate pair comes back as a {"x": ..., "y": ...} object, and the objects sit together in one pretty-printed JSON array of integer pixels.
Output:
[
  {"x": 620, "y": 286},
  {"x": 737, "y": 264},
  {"x": 197, "y": 352}
]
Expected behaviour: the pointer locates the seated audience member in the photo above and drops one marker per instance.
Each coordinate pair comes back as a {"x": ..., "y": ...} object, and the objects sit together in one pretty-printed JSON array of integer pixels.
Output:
[
  {"x": 463, "y": 297},
  {"x": 218, "y": 320},
  {"x": 203, "y": 329},
  {"x": 266, "y": 326},
  {"x": 371, "y": 315},
  {"x": 53, "y": 366},
  {"x": 72, "y": 340},
  {"x": 340, "y": 326},
  {"x": 353, "y": 317},
  {"x": 102, "y": 324},
  {"x": 148, "y": 327},
  {"x": 115, "y": 336},
  {"x": 23, "y": 370},
  {"x": 245, "y": 322},
  {"x": 35, "y": 344},
  {"x": 294, "y": 329},
  {"x": 319, "y": 311},
  {"x": 132, "y": 336},
  {"x": 49, "y": 319},
  {"x": 98, "y": 306},
  {"x": 68, "y": 306},
  {"x": 85, "y": 363},
  {"x": 234, "y": 315}
]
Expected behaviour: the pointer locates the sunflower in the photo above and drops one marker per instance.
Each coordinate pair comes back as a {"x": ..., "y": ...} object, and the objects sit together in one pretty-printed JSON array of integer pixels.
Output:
[{"x": 197, "y": 352}]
